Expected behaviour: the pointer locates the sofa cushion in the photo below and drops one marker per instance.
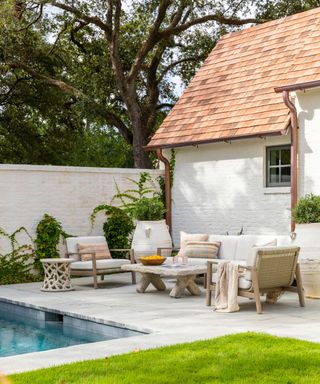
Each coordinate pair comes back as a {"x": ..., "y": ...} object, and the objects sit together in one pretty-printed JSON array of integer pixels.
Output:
[
  {"x": 185, "y": 237},
  {"x": 101, "y": 251},
  {"x": 72, "y": 242},
  {"x": 201, "y": 249},
  {"x": 228, "y": 246},
  {"x": 101, "y": 264},
  {"x": 246, "y": 242}
]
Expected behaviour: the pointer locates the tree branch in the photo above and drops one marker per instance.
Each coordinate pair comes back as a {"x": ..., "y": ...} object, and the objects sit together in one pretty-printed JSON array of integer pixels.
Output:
[
  {"x": 174, "y": 64},
  {"x": 151, "y": 40},
  {"x": 80, "y": 15},
  {"x": 109, "y": 116},
  {"x": 201, "y": 20}
]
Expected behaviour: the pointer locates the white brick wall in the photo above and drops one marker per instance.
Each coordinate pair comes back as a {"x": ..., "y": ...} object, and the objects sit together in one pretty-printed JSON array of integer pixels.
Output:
[
  {"x": 67, "y": 193},
  {"x": 308, "y": 106},
  {"x": 220, "y": 187}
]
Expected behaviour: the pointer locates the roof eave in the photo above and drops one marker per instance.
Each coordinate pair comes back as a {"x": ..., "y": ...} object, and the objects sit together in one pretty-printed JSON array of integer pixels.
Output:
[
  {"x": 280, "y": 132},
  {"x": 298, "y": 87}
]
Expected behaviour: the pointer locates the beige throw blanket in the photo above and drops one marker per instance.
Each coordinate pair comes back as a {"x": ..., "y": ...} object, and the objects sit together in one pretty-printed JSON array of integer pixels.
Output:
[{"x": 226, "y": 293}]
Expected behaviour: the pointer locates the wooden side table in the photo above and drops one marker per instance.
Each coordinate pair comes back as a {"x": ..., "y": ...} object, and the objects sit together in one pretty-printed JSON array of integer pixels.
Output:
[{"x": 56, "y": 275}]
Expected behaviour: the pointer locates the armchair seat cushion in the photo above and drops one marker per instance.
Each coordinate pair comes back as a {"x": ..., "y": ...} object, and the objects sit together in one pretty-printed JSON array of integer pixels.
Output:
[
  {"x": 101, "y": 264},
  {"x": 243, "y": 283}
]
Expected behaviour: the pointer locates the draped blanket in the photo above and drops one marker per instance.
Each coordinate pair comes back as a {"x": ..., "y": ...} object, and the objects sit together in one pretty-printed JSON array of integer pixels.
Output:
[{"x": 226, "y": 292}]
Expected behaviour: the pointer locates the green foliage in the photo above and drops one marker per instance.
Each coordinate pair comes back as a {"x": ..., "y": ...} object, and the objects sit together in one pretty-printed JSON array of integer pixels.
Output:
[
  {"x": 245, "y": 358},
  {"x": 118, "y": 230},
  {"x": 307, "y": 210},
  {"x": 16, "y": 265},
  {"x": 149, "y": 209},
  {"x": 49, "y": 233}
]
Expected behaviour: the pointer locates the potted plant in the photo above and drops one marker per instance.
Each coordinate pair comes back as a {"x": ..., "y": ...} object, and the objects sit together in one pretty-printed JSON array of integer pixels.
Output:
[
  {"x": 307, "y": 218},
  {"x": 151, "y": 231}
]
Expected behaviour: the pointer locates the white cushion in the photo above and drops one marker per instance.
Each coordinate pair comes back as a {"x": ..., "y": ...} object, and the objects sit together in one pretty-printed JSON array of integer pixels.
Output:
[
  {"x": 246, "y": 242},
  {"x": 228, "y": 246},
  {"x": 101, "y": 264},
  {"x": 185, "y": 237},
  {"x": 243, "y": 283},
  {"x": 72, "y": 242}
]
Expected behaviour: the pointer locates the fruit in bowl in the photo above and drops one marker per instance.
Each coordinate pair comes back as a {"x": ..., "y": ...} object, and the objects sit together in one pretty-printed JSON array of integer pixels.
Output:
[{"x": 152, "y": 260}]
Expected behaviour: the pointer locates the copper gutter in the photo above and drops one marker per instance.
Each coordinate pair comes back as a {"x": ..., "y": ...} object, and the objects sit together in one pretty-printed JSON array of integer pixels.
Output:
[
  {"x": 209, "y": 141},
  {"x": 167, "y": 186},
  {"x": 298, "y": 87},
  {"x": 294, "y": 154}
]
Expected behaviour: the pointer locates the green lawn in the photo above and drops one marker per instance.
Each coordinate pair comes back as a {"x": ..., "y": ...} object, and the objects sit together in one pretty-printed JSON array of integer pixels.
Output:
[{"x": 242, "y": 358}]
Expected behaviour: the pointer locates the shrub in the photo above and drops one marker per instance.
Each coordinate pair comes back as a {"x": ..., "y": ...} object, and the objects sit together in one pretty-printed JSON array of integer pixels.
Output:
[
  {"x": 307, "y": 210},
  {"x": 49, "y": 233},
  {"x": 149, "y": 209},
  {"x": 16, "y": 265}
]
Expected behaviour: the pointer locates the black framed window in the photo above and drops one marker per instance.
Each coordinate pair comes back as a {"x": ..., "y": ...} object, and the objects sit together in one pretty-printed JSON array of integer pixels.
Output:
[{"x": 278, "y": 166}]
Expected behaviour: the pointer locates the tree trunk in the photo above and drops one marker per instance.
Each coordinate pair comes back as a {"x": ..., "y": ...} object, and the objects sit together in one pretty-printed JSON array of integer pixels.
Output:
[{"x": 140, "y": 139}]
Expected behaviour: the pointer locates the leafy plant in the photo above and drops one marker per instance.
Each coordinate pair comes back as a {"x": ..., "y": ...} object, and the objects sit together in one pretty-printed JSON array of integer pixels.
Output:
[
  {"x": 16, "y": 265},
  {"x": 49, "y": 233},
  {"x": 149, "y": 209},
  {"x": 307, "y": 209}
]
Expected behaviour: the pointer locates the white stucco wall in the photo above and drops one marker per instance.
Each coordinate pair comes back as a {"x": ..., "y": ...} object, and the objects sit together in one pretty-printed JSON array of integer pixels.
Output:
[
  {"x": 220, "y": 187},
  {"x": 308, "y": 108},
  {"x": 67, "y": 193}
]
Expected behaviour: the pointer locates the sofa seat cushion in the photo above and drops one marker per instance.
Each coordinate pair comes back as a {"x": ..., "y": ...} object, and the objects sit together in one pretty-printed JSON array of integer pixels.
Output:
[{"x": 101, "y": 264}]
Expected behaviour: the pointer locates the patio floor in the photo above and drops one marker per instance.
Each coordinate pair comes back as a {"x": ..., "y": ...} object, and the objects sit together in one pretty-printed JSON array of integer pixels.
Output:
[{"x": 170, "y": 321}]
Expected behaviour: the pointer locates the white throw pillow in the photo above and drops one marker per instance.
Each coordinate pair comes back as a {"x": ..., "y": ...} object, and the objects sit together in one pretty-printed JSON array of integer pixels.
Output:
[{"x": 252, "y": 256}]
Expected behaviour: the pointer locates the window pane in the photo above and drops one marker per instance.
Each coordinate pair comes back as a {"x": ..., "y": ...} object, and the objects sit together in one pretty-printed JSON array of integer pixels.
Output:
[
  {"x": 274, "y": 157},
  {"x": 285, "y": 175},
  {"x": 285, "y": 157},
  {"x": 274, "y": 176}
]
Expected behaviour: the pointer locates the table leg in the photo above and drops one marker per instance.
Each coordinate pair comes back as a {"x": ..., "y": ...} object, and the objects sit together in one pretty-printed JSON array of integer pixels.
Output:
[
  {"x": 150, "y": 278},
  {"x": 185, "y": 282}
]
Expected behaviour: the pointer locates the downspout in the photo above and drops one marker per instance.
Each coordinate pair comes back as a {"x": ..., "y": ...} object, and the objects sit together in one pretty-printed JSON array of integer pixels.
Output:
[
  {"x": 294, "y": 154},
  {"x": 167, "y": 186}
]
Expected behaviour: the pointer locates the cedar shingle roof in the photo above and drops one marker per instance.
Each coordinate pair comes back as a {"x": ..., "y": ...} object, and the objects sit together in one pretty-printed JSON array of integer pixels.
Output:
[{"x": 232, "y": 95}]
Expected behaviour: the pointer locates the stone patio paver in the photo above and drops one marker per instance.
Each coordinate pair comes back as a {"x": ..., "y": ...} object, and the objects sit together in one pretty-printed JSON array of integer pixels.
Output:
[{"x": 169, "y": 321}]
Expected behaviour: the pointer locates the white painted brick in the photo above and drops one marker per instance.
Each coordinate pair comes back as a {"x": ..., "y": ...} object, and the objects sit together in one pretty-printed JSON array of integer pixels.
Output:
[{"x": 67, "y": 193}]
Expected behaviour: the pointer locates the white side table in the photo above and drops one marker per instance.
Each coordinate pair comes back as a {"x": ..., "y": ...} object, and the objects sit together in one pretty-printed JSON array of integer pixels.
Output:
[{"x": 56, "y": 275}]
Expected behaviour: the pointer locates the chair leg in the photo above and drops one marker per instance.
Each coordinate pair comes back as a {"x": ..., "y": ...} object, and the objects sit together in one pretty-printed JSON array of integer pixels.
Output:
[
  {"x": 209, "y": 283},
  {"x": 133, "y": 277},
  {"x": 299, "y": 286},
  {"x": 102, "y": 277},
  {"x": 256, "y": 290}
]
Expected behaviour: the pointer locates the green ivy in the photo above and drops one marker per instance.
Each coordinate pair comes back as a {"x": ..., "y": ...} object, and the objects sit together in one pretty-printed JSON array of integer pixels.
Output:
[
  {"x": 16, "y": 265},
  {"x": 307, "y": 210},
  {"x": 49, "y": 233}
]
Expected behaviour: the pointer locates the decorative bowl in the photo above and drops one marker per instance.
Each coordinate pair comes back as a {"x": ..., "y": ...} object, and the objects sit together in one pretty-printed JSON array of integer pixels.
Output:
[{"x": 152, "y": 260}]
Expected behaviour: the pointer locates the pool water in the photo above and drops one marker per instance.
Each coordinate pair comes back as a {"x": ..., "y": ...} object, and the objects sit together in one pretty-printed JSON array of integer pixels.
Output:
[{"x": 19, "y": 334}]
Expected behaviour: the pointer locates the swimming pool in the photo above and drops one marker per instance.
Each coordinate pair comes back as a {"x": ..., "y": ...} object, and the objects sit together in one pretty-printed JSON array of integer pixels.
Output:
[{"x": 25, "y": 330}]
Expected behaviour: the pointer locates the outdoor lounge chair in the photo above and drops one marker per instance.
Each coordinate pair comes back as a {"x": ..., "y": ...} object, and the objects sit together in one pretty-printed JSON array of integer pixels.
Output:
[
  {"x": 268, "y": 269},
  {"x": 95, "y": 266}
]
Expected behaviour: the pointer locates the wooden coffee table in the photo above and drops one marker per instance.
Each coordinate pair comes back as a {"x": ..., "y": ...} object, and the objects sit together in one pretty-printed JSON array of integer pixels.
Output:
[{"x": 185, "y": 276}]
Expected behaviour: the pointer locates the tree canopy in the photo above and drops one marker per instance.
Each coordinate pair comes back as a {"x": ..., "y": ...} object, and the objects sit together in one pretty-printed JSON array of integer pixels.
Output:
[{"x": 77, "y": 73}]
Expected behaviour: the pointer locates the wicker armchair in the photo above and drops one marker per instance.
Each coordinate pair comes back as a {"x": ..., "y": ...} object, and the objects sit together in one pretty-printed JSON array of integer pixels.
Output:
[{"x": 267, "y": 270}]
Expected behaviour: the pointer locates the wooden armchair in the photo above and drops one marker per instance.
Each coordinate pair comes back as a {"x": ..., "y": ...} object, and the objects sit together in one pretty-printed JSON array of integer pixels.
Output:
[{"x": 95, "y": 267}]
